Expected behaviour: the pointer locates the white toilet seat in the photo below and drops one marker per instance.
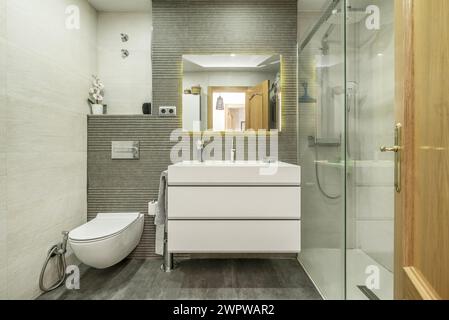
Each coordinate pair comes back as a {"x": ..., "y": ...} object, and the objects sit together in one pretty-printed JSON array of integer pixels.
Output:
[
  {"x": 107, "y": 239},
  {"x": 104, "y": 226}
]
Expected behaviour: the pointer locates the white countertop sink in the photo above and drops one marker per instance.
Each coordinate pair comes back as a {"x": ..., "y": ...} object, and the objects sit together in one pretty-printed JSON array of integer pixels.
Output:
[{"x": 246, "y": 173}]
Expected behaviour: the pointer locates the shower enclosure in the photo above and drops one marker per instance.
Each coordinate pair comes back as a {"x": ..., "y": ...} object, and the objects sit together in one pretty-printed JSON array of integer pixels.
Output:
[{"x": 346, "y": 100}]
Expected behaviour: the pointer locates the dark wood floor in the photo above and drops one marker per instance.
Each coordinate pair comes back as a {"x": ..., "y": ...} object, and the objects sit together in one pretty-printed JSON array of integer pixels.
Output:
[{"x": 195, "y": 279}]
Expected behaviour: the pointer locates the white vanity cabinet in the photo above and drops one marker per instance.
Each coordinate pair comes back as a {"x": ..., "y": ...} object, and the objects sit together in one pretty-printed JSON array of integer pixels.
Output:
[{"x": 223, "y": 207}]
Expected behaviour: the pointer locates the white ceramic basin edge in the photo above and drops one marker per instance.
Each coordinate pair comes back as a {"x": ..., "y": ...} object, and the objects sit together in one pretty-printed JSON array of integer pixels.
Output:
[{"x": 234, "y": 173}]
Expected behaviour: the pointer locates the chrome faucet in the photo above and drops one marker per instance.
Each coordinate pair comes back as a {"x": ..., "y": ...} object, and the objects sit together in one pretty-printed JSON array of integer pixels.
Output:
[{"x": 200, "y": 146}]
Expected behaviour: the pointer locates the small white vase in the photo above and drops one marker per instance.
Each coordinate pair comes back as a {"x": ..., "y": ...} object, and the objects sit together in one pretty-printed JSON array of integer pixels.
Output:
[{"x": 97, "y": 109}]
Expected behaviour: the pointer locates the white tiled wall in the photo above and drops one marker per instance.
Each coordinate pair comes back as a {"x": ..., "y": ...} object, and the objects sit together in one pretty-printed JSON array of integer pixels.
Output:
[
  {"x": 42, "y": 133},
  {"x": 128, "y": 81},
  {"x": 3, "y": 208}
]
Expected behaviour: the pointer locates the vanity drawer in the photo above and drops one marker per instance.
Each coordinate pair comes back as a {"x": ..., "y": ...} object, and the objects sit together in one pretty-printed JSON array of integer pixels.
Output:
[
  {"x": 229, "y": 236},
  {"x": 234, "y": 203}
]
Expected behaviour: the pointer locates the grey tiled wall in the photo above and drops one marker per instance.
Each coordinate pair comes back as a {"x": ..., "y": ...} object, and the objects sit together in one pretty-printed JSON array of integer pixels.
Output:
[
  {"x": 182, "y": 27},
  {"x": 127, "y": 185},
  {"x": 221, "y": 27}
]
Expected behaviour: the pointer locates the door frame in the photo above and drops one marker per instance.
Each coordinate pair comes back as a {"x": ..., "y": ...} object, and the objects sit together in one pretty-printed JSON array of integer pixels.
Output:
[
  {"x": 210, "y": 102},
  {"x": 409, "y": 283}
]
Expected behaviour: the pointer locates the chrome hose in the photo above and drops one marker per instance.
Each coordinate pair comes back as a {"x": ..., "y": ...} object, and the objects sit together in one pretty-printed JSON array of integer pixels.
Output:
[
  {"x": 57, "y": 251},
  {"x": 320, "y": 187}
]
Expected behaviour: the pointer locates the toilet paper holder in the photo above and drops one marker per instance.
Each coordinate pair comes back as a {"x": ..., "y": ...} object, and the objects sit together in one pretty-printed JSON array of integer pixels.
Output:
[{"x": 152, "y": 208}]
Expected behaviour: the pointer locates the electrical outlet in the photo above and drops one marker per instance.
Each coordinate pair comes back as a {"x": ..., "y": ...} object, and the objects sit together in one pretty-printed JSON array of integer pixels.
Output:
[{"x": 167, "y": 111}]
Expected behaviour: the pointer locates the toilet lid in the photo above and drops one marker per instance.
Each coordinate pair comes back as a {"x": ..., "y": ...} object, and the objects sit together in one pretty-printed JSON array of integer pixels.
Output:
[{"x": 103, "y": 226}]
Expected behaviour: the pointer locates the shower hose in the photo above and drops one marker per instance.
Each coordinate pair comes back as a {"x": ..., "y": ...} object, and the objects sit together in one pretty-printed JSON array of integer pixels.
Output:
[
  {"x": 58, "y": 251},
  {"x": 320, "y": 187}
]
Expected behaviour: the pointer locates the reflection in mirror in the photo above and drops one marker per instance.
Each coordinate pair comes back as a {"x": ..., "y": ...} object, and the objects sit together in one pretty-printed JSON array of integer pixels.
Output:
[{"x": 231, "y": 92}]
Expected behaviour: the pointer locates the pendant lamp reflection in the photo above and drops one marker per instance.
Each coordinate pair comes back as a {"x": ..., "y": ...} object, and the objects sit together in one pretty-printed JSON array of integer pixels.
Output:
[
  {"x": 306, "y": 98},
  {"x": 220, "y": 103}
]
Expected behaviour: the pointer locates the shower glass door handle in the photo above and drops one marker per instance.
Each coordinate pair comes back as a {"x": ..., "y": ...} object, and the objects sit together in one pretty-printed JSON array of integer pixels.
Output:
[{"x": 397, "y": 149}]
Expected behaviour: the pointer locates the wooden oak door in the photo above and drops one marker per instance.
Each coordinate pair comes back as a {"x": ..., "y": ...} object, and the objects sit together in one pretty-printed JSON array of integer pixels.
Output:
[
  {"x": 257, "y": 106},
  {"x": 422, "y": 105}
]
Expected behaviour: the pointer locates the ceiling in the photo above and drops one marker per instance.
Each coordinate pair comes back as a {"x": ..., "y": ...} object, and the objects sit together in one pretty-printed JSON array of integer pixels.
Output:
[
  {"x": 121, "y": 5},
  {"x": 205, "y": 63},
  {"x": 227, "y": 60}
]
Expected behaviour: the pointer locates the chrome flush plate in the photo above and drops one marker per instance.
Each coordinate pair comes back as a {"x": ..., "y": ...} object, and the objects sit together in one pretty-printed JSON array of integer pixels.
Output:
[{"x": 125, "y": 150}]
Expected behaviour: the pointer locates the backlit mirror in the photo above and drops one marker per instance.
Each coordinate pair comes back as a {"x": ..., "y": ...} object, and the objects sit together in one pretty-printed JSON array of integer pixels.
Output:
[{"x": 231, "y": 92}]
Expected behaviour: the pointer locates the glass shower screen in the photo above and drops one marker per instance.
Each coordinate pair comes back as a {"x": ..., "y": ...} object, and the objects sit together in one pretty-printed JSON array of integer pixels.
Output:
[{"x": 346, "y": 99}]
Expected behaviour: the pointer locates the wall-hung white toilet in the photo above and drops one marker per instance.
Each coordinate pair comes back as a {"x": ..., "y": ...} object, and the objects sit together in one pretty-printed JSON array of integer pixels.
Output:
[{"x": 107, "y": 239}]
